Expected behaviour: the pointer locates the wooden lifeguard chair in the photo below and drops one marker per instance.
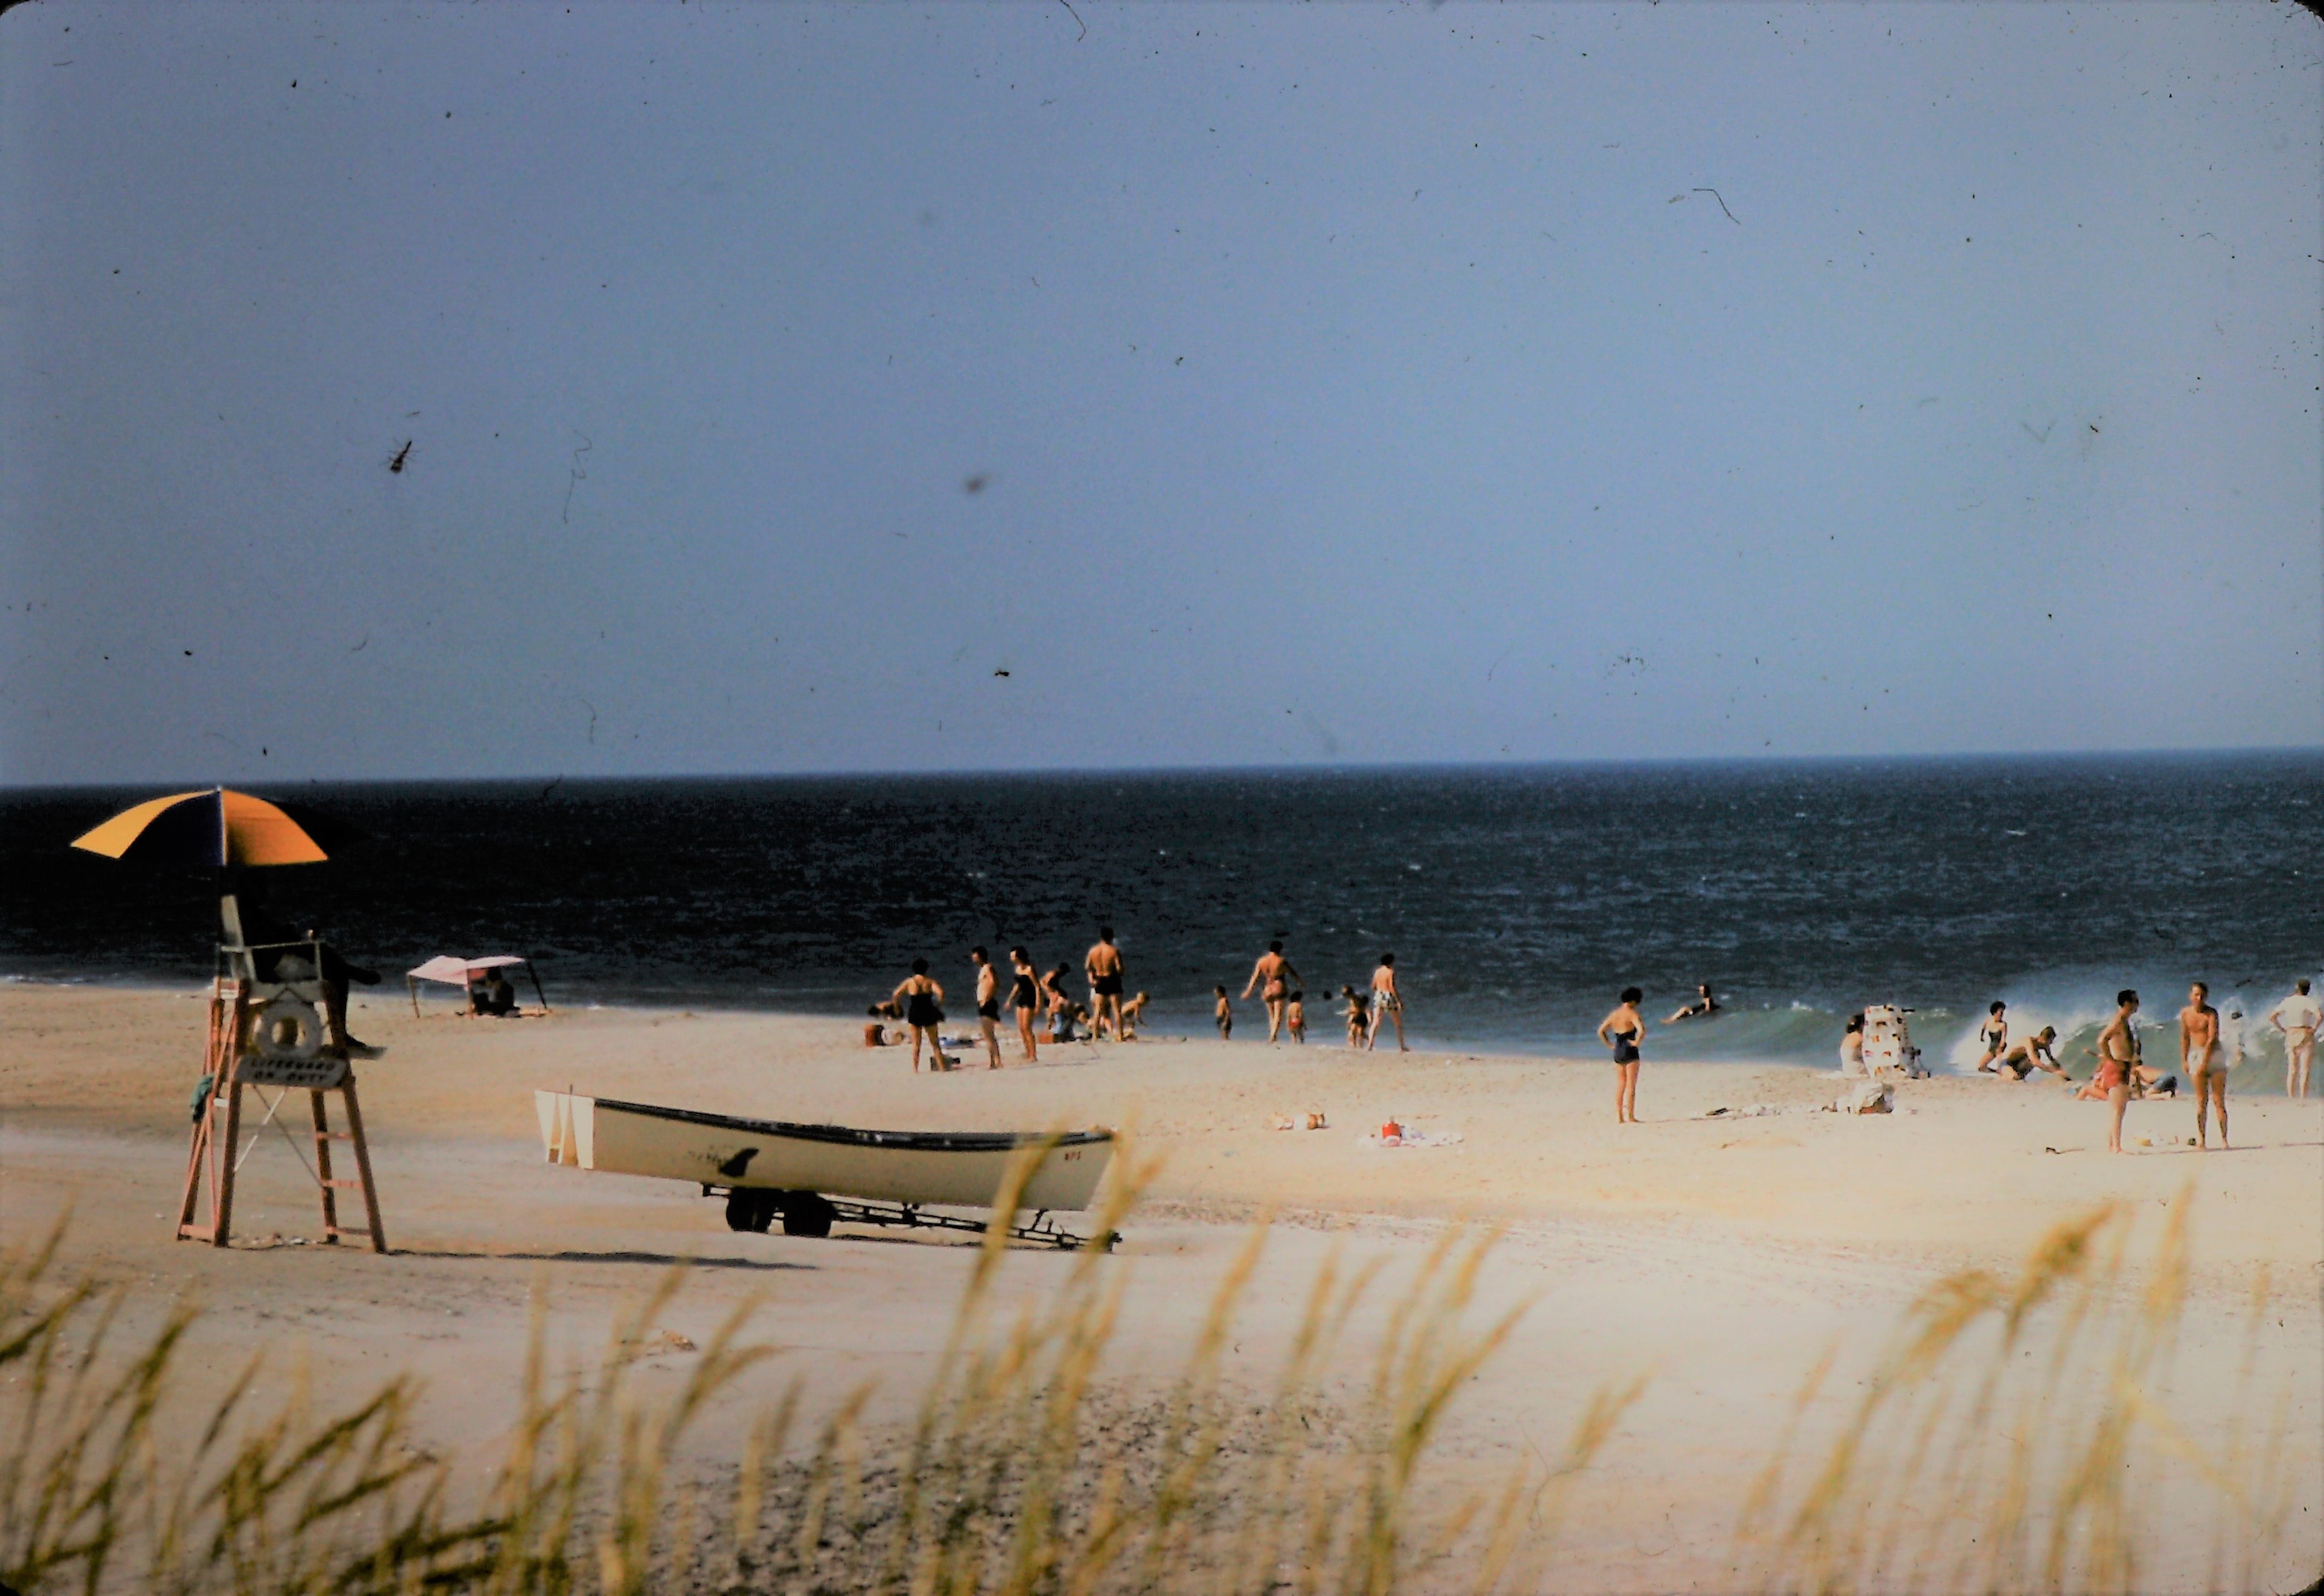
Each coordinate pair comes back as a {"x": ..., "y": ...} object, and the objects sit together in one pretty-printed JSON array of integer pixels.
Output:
[{"x": 266, "y": 1033}]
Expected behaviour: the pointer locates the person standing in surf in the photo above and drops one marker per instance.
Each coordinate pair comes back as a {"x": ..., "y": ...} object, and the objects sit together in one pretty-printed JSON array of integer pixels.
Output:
[
  {"x": 1623, "y": 1031},
  {"x": 2118, "y": 1048},
  {"x": 2204, "y": 1060},
  {"x": 921, "y": 999},
  {"x": 1276, "y": 972},
  {"x": 1103, "y": 964}
]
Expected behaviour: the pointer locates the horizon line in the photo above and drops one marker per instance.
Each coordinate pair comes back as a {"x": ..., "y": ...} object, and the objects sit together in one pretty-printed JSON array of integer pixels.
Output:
[{"x": 1310, "y": 768}]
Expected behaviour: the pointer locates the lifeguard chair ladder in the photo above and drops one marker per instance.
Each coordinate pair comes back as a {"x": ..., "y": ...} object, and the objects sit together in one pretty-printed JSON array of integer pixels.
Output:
[{"x": 268, "y": 1033}]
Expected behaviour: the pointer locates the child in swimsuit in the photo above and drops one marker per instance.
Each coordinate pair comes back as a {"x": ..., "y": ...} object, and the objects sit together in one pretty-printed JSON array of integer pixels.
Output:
[
  {"x": 1224, "y": 1012},
  {"x": 1294, "y": 1016}
]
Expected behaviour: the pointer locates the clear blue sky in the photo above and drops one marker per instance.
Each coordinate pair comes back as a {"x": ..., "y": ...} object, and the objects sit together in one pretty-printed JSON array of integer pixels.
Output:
[{"x": 1339, "y": 383}]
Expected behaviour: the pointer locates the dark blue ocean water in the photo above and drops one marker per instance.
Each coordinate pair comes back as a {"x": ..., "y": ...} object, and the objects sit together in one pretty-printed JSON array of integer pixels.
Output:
[{"x": 1518, "y": 901}]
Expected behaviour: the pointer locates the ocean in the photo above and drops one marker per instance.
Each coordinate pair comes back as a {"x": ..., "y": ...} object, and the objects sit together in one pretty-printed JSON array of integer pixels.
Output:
[{"x": 1517, "y": 901}]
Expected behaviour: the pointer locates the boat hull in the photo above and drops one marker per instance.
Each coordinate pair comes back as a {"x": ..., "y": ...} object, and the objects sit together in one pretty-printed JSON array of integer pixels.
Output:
[{"x": 936, "y": 1168}]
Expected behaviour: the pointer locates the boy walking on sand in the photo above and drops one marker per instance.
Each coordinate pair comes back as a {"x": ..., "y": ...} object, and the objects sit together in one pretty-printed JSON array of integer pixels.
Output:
[
  {"x": 1224, "y": 1011},
  {"x": 1294, "y": 1017}
]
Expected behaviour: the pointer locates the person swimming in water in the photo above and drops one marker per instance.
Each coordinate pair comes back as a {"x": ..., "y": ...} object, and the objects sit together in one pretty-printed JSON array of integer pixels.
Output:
[
  {"x": 1703, "y": 1006},
  {"x": 1623, "y": 1031}
]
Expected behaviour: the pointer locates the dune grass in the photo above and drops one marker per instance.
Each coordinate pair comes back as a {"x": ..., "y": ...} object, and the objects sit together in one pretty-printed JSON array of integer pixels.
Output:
[{"x": 1996, "y": 1447}]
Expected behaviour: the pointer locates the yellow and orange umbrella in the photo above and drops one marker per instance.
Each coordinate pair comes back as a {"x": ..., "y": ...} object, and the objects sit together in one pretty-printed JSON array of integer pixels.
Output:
[{"x": 216, "y": 827}]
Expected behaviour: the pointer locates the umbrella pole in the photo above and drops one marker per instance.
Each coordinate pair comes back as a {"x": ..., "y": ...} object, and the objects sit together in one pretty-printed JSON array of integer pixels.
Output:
[
  {"x": 533, "y": 971},
  {"x": 412, "y": 987}
]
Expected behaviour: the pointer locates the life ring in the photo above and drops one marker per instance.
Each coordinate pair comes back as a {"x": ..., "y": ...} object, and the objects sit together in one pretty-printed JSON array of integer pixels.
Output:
[{"x": 287, "y": 1028}]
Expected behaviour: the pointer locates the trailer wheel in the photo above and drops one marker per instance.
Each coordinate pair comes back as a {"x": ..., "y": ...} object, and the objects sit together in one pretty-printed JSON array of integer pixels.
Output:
[
  {"x": 807, "y": 1214},
  {"x": 749, "y": 1210}
]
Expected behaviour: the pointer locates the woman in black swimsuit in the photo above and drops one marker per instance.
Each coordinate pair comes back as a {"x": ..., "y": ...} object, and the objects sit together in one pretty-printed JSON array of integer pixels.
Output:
[
  {"x": 921, "y": 1000},
  {"x": 1025, "y": 997},
  {"x": 1623, "y": 1031}
]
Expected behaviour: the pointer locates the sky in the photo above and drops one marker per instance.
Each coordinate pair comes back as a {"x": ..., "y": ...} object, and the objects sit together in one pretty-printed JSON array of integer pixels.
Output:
[{"x": 439, "y": 392}]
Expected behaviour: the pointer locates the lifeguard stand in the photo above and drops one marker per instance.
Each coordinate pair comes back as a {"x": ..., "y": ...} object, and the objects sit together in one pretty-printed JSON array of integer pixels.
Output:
[{"x": 269, "y": 1032}]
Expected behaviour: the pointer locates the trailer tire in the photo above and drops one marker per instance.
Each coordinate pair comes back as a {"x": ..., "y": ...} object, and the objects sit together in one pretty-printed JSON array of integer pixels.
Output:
[
  {"x": 807, "y": 1214},
  {"x": 751, "y": 1211}
]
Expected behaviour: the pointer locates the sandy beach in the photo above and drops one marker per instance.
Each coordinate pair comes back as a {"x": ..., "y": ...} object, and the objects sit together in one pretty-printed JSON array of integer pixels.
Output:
[{"x": 1718, "y": 1255}]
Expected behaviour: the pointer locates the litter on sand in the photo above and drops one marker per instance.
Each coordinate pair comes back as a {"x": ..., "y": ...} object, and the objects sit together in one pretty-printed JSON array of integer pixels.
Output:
[
  {"x": 1393, "y": 1134},
  {"x": 1298, "y": 1121}
]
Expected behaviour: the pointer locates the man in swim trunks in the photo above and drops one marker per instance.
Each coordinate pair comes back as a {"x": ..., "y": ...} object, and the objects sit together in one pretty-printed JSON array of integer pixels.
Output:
[
  {"x": 988, "y": 1003},
  {"x": 2297, "y": 1017},
  {"x": 2206, "y": 1065},
  {"x": 2117, "y": 1050},
  {"x": 1275, "y": 971},
  {"x": 1387, "y": 1003},
  {"x": 1103, "y": 964}
]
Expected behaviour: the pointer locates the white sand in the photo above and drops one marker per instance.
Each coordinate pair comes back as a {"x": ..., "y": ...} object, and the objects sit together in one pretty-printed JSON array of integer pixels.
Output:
[{"x": 1720, "y": 1256}]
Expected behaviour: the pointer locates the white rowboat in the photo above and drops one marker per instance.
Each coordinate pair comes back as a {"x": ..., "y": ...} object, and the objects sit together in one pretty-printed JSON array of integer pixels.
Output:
[{"x": 718, "y": 1151}]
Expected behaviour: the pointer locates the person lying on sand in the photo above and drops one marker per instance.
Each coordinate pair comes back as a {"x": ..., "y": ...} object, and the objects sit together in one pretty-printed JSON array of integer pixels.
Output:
[
  {"x": 2037, "y": 1051},
  {"x": 1703, "y": 1006}
]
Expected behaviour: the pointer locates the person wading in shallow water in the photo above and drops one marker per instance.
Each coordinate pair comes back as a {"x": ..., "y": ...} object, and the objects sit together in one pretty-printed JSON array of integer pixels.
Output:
[
  {"x": 1623, "y": 1031},
  {"x": 922, "y": 1000}
]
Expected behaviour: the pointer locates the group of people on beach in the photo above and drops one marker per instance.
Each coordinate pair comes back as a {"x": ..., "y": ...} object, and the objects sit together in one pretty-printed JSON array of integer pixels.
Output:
[
  {"x": 1277, "y": 982},
  {"x": 2204, "y": 1053},
  {"x": 917, "y": 1002},
  {"x": 2211, "y": 1047}
]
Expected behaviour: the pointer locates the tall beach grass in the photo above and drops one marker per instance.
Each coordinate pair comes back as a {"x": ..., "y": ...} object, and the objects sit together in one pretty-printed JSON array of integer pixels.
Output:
[{"x": 2003, "y": 1443}]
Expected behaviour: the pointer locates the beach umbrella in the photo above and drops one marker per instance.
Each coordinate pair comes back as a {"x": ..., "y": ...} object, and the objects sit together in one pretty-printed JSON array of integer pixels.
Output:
[{"x": 219, "y": 829}]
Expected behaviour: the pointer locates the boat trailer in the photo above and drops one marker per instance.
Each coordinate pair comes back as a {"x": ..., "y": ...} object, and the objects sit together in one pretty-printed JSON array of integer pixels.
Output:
[{"x": 811, "y": 1213}]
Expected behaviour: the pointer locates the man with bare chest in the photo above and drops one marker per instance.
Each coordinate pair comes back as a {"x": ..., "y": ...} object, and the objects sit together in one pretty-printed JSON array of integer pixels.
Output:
[
  {"x": 2205, "y": 1060},
  {"x": 1103, "y": 964}
]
